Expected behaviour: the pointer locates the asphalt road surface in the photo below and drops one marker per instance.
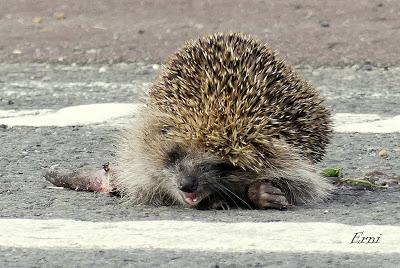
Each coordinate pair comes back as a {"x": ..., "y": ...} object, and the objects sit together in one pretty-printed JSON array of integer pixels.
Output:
[
  {"x": 98, "y": 58},
  {"x": 27, "y": 150},
  {"x": 332, "y": 33}
]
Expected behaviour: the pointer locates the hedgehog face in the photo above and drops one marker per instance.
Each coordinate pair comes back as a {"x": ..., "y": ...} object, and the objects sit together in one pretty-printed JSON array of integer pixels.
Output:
[{"x": 201, "y": 179}]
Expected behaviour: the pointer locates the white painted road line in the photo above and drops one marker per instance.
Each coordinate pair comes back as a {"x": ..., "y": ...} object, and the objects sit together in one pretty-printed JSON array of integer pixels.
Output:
[
  {"x": 74, "y": 115},
  {"x": 388, "y": 125},
  {"x": 199, "y": 236},
  {"x": 103, "y": 112}
]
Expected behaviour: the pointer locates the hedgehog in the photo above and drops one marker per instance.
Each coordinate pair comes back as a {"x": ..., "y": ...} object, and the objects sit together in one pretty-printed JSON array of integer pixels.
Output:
[{"x": 228, "y": 123}]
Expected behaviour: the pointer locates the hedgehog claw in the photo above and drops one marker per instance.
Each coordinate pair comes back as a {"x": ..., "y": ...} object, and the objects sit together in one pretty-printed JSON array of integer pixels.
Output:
[{"x": 264, "y": 195}]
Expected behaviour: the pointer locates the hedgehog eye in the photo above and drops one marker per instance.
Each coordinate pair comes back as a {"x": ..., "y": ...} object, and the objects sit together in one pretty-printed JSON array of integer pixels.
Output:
[
  {"x": 174, "y": 155},
  {"x": 224, "y": 168}
]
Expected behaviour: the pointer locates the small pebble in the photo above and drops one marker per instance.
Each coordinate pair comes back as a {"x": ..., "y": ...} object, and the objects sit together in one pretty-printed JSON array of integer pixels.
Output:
[
  {"x": 59, "y": 16},
  {"x": 37, "y": 20},
  {"x": 324, "y": 24},
  {"x": 103, "y": 69},
  {"x": 367, "y": 67},
  {"x": 91, "y": 51},
  {"x": 199, "y": 26},
  {"x": 383, "y": 153}
]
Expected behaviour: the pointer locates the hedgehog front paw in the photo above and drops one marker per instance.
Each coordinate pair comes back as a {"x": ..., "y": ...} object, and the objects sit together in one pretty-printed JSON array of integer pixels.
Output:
[{"x": 264, "y": 195}]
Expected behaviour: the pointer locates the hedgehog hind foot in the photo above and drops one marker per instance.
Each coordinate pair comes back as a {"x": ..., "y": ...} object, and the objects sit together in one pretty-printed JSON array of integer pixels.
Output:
[{"x": 103, "y": 180}]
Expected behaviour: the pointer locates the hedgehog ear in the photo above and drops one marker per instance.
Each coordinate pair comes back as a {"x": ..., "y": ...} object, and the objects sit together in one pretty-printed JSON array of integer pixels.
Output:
[{"x": 165, "y": 129}]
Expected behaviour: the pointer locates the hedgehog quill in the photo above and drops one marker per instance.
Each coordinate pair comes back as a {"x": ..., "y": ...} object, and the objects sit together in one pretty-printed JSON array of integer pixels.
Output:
[{"x": 227, "y": 124}]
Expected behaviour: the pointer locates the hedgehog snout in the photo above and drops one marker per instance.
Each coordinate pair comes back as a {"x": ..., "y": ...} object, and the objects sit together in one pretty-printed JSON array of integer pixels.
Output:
[{"x": 188, "y": 184}]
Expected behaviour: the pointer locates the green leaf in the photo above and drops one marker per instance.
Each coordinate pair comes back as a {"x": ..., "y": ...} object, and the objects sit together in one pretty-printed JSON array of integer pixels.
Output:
[{"x": 332, "y": 172}]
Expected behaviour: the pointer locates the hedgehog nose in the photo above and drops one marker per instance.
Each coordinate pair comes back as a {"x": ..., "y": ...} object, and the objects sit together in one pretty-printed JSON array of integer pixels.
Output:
[{"x": 188, "y": 184}]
